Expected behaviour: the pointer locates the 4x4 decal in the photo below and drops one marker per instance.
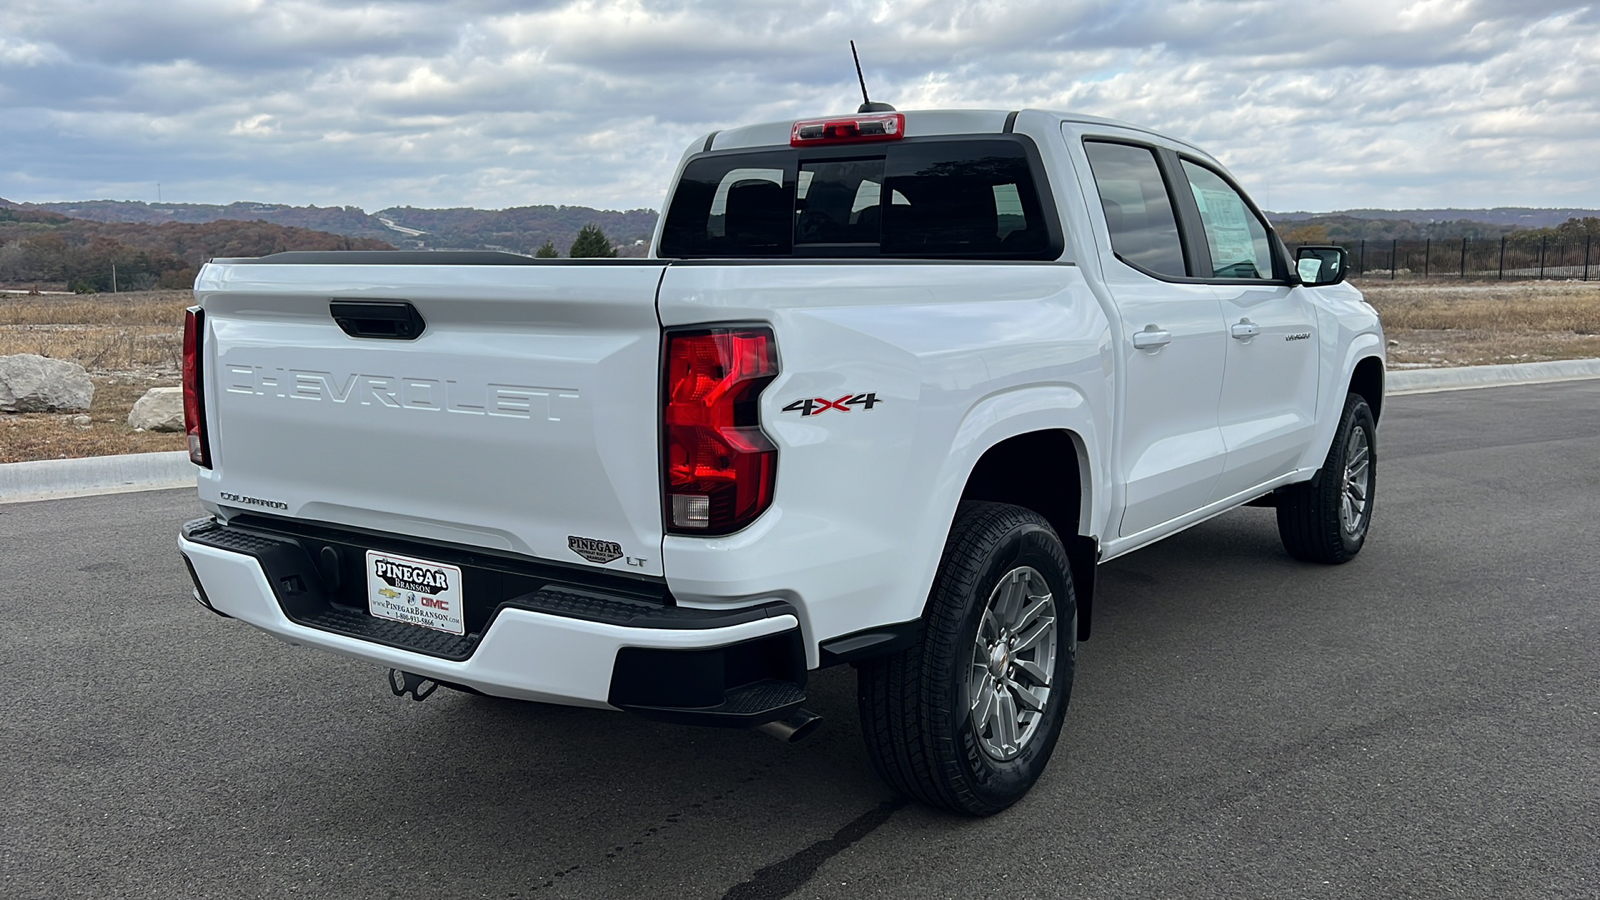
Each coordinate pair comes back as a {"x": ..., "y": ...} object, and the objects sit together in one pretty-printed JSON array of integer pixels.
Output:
[{"x": 816, "y": 406}]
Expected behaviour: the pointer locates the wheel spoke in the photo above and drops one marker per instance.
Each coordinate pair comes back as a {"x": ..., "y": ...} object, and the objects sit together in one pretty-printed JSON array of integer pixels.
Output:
[
  {"x": 1358, "y": 456},
  {"x": 1032, "y": 612},
  {"x": 1033, "y": 670},
  {"x": 988, "y": 628},
  {"x": 1358, "y": 474},
  {"x": 1025, "y": 696},
  {"x": 983, "y": 699},
  {"x": 1042, "y": 627},
  {"x": 993, "y": 719},
  {"x": 1010, "y": 599},
  {"x": 984, "y": 686},
  {"x": 1006, "y": 715}
]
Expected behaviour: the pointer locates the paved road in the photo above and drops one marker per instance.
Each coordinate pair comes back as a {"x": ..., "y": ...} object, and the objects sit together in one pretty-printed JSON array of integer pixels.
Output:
[{"x": 1423, "y": 722}]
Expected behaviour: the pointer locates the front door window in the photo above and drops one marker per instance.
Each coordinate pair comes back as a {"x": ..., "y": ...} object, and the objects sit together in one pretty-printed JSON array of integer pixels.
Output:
[{"x": 1237, "y": 239}]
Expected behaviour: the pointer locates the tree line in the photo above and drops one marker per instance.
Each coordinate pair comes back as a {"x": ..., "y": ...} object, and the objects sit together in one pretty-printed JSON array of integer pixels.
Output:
[
  {"x": 1347, "y": 230},
  {"x": 38, "y": 247},
  {"x": 521, "y": 229}
]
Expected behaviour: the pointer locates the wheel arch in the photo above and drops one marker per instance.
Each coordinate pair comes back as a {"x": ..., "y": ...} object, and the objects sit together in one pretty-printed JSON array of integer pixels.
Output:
[
  {"x": 1041, "y": 470},
  {"x": 1022, "y": 427},
  {"x": 1046, "y": 471},
  {"x": 1367, "y": 380},
  {"x": 1359, "y": 369}
]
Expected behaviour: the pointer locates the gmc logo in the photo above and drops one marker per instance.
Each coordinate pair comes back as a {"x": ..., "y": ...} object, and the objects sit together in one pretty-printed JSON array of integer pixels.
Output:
[{"x": 435, "y": 603}]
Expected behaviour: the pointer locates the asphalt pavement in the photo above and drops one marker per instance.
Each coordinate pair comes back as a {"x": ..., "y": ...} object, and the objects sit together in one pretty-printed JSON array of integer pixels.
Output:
[{"x": 1423, "y": 722}]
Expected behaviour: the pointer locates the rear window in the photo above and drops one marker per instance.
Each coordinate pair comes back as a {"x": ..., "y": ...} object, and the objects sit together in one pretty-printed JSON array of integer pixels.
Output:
[{"x": 929, "y": 198}]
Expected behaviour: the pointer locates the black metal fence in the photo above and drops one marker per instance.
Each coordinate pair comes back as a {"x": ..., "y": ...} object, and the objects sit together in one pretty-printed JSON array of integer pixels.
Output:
[{"x": 1503, "y": 258}]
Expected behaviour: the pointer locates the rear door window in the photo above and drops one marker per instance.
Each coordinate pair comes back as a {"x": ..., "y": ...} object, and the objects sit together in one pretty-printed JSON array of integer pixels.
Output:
[
  {"x": 1138, "y": 207},
  {"x": 950, "y": 199}
]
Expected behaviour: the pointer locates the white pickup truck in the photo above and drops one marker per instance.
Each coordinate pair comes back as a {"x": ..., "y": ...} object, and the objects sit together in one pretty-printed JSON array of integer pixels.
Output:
[{"x": 889, "y": 388}]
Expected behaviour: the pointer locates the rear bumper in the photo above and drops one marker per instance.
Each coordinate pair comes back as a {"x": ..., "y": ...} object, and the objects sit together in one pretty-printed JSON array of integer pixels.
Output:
[{"x": 557, "y": 643}]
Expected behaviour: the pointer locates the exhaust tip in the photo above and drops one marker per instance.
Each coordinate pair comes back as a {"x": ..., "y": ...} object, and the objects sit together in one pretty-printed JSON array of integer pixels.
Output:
[{"x": 794, "y": 728}]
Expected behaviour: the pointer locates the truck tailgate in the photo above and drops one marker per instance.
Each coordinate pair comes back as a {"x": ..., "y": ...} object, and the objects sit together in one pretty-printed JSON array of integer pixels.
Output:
[{"x": 523, "y": 418}]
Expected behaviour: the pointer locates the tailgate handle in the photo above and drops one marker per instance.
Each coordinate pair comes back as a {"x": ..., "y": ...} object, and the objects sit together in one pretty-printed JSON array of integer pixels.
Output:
[{"x": 394, "y": 320}]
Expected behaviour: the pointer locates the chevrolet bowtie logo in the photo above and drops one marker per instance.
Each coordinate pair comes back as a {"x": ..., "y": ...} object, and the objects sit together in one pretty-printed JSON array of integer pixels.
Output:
[{"x": 390, "y": 593}]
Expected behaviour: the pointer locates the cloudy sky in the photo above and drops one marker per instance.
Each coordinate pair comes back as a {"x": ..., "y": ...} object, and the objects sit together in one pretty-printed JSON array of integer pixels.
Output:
[{"x": 494, "y": 103}]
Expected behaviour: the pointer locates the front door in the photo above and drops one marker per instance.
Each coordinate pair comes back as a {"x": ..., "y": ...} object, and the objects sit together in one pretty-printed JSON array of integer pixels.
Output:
[{"x": 1269, "y": 387}]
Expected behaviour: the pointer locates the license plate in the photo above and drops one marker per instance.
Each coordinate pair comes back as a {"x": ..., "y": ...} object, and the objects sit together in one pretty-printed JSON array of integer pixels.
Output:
[{"x": 415, "y": 591}]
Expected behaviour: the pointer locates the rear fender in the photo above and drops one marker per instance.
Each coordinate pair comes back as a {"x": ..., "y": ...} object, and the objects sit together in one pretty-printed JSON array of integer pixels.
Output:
[{"x": 1011, "y": 414}]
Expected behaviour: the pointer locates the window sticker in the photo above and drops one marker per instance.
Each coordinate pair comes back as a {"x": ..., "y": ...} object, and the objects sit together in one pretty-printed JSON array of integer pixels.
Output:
[{"x": 1227, "y": 227}]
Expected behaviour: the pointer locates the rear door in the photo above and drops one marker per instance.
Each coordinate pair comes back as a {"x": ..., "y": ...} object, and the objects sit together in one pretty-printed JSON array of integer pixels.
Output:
[
  {"x": 1172, "y": 339},
  {"x": 521, "y": 416},
  {"x": 1269, "y": 387}
]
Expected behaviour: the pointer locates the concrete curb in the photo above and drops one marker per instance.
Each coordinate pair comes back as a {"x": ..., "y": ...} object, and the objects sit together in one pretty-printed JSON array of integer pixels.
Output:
[
  {"x": 51, "y": 479},
  {"x": 1424, "y": 381},
  {"x": 58, "y": 478}
]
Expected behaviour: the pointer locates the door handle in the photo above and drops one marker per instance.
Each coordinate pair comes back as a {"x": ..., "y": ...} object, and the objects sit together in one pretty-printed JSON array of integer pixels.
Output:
[
  {"x": 1246, "y": 330},
  {"x": 1151, "y": 338},
  {"x": 391, "y": 320}
]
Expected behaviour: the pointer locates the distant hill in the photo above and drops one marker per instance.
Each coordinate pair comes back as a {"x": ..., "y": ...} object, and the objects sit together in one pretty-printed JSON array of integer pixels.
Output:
[
  {"x": 519, "y": 229},
  {"x": 349, "y": 221},
  {"x": 41, "y": 246},
  {"x": 1517, "y": 216},
  {"x": 17, "y": 214},
  {"x": 523, "y": 229}
]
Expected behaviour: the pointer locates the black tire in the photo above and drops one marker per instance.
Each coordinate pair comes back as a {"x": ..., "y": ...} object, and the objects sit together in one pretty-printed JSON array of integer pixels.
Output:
[
  {"x": 1309, "y": 514},
  {"x": 914, "y": 704}
]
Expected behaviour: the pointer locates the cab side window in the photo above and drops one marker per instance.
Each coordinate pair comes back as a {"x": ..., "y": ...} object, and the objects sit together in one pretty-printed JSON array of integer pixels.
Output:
[
  {"x": 1144, "y": 231},
  {"x": 1238, "y": 240}
]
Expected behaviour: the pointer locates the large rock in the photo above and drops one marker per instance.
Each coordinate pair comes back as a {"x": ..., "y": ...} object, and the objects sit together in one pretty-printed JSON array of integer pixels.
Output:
[
  {"x": 30, "y": 383},
  {"x": 160, "y": 409}
]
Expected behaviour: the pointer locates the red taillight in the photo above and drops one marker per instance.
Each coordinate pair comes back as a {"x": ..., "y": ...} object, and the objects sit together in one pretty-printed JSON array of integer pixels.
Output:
[
  {"x": 720, "y": 467},
  {"x": 194, "y": 409},
  {"x": 848, "y": 130}
]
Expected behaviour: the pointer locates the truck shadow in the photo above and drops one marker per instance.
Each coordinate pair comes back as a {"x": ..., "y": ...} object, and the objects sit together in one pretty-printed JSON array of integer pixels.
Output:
[{"x": 534, "y": 797}]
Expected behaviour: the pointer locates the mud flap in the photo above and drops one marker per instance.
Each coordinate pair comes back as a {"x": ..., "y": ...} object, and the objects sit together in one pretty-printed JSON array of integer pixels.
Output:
[{"x": 1084, "y": 554}]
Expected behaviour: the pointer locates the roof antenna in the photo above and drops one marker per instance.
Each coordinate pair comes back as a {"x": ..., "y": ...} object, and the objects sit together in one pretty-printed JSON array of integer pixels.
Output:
[{"x": 867, "y": 106}]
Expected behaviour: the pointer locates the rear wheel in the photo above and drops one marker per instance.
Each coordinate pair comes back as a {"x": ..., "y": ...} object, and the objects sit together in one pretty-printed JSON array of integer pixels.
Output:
[
  {"x": 1325, "y": 520},
  {"x": 967, "y": 717}
]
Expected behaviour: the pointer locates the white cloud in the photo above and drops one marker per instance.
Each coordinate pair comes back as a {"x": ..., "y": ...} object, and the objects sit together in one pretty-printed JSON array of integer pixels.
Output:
[{"x": 499, "y": 103}]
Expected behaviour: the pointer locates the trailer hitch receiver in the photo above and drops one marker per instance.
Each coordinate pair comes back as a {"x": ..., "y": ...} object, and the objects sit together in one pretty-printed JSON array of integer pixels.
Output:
[{"x": 419, "y": 687}]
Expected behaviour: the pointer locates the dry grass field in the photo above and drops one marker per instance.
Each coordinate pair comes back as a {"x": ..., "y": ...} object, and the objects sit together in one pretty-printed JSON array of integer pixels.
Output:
[
  {"x": 1452, "y": 323},
  {"x": 131, "y": 342},
  {"x": 128, "y": 342},
  {"x": 102, "y": 332},
  {"x": 55, "y": 436}
]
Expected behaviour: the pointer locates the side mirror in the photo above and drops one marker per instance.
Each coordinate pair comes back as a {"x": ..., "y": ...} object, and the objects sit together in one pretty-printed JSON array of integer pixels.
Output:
[{"x": 1321, "y": 266}]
